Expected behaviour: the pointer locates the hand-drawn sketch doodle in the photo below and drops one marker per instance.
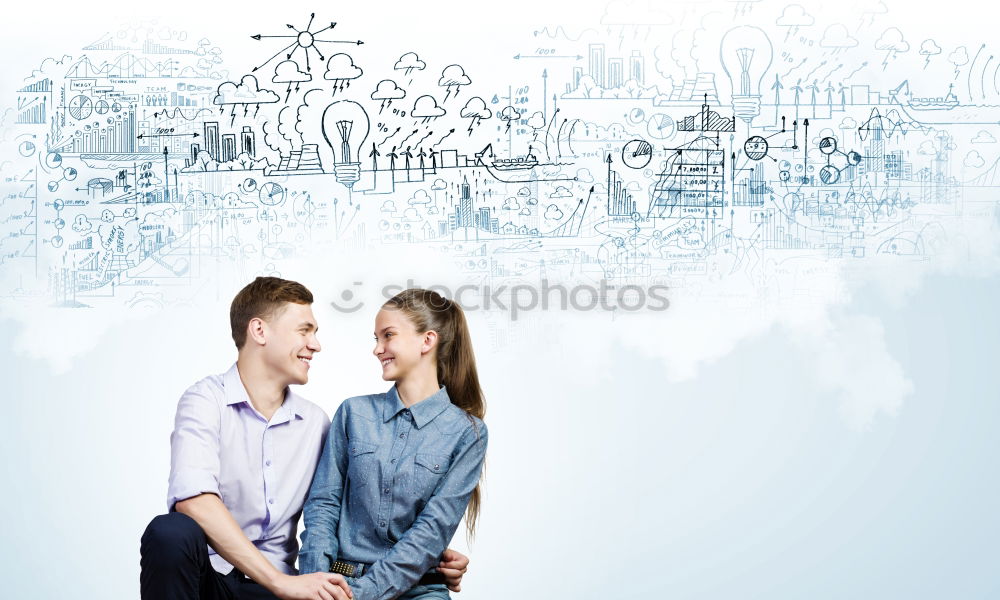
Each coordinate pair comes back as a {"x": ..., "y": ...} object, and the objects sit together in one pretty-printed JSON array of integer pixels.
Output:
[{"x": 657, "y": 145}]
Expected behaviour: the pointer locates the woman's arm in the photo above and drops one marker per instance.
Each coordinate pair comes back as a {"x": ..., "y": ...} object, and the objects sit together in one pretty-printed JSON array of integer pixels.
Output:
[
  {"x": 420, "y": 548},
  {"x": 321, "y": 513}
]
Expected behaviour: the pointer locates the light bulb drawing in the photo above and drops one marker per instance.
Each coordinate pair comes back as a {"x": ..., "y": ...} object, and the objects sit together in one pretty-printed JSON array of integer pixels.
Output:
[
  {"x": 345, "y": 129},
  {"x": 746, "y": 54}
]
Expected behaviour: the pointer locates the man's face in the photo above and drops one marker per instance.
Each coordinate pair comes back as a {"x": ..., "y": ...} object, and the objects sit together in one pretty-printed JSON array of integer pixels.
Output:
[{"x": 291, "y": 341}]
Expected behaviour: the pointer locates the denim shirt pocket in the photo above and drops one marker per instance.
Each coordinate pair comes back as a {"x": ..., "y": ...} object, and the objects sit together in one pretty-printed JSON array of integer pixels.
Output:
[
  {"x": 361, "y": 463},
  {"x": 427, "y": 472}
]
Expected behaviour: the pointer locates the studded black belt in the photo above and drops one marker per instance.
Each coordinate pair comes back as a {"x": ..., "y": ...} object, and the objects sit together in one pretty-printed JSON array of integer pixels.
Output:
[{"x": 349, "y": 568}]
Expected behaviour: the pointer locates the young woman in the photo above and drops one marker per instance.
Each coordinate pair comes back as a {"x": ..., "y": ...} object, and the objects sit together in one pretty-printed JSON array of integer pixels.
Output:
[{"x": 400, "y": 469}]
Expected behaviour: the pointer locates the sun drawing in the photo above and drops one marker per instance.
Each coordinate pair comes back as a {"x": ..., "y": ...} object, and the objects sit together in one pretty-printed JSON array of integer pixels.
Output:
[{"x": 304, "y": 40}]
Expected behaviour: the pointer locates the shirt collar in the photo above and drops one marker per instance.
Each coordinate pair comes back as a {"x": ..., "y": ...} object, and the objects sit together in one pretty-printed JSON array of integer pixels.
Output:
[
  {"x": 237, "y": 394},
  {"x": 423, "y": 412}
]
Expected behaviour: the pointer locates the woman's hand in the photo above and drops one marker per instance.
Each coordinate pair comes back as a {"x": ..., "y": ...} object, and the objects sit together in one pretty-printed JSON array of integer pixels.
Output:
[{"x": 453, "y": 566}]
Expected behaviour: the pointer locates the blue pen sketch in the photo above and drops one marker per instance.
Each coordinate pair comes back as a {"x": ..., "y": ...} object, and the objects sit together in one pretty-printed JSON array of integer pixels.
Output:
[{"x": 657, "y": 145}]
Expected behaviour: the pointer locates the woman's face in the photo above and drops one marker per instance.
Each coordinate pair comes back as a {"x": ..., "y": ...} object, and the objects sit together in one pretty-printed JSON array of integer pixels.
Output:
[{"x": 399, "y": 347}]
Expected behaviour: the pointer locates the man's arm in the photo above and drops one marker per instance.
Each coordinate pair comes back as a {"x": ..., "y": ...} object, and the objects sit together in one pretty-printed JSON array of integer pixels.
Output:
[
  {"x": 194, "y": 491},
  {"x": 225, "y": 535}
]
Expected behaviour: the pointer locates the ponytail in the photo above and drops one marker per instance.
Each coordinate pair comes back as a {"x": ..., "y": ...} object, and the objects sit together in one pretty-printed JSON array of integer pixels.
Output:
[{"x": 457, "y": 363}]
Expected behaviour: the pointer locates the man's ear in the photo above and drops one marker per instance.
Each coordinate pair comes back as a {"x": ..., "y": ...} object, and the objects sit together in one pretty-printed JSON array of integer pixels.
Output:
[
  {"x": 430, "y": 342},
  {"x": 257, "y": 331}
]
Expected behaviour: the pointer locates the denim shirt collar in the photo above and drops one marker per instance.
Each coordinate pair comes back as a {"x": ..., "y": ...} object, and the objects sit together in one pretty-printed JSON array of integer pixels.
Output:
[
  {"x": 237, "y": 394},
  {"x": 423, "y": 412}
]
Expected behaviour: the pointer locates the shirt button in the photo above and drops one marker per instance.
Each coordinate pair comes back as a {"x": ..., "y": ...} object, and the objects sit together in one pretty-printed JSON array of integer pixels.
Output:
[
  {"x": 270, "y": 501},
  {"x": 402, "y": 435},
  {"x": 268, "y": 463},
  {"x": 386, "y": 490},
  {"x": 393, "y": 461},
  {"x": 406, "y": 412},
  {"x": 381, "y": 524}
]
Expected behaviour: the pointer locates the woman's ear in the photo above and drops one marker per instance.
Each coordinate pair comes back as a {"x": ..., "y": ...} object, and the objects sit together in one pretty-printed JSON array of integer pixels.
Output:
[{"x": 429, "y": 342}]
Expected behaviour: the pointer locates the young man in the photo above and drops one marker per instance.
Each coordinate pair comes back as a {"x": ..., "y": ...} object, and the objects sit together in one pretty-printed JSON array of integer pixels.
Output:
[{"x": 243, "y": 452}]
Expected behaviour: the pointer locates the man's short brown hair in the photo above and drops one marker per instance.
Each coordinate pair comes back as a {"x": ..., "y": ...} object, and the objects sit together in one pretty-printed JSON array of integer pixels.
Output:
[{"x": 260, "y": 299}]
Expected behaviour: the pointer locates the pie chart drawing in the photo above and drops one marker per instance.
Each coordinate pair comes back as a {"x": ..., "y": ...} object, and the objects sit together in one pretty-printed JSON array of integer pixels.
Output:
[
  {"x": 271, "y": 194},
  {"x": 828, "y": 145},
  {"x": 637, "y": 154},
  {"x": 81, "y": 107},
  {"x": 660, "y": 126},
  {"x": 829, "y": 174},
  {"x": 755, "y": 148}
]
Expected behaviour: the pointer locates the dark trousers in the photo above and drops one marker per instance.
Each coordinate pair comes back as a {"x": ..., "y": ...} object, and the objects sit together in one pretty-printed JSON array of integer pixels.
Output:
[{"x": 175, "y": 566}]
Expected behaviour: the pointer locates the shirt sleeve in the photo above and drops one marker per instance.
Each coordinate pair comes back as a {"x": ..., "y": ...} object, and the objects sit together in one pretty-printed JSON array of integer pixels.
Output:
[
  {"x": 321, "y": 513},
  {"x": 194, "y": 448},
  {"x": 420, "y": 548}
]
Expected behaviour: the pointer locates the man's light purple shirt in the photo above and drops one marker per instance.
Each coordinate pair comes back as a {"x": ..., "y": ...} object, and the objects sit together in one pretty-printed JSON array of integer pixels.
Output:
[{"x": 261, "y": 470}]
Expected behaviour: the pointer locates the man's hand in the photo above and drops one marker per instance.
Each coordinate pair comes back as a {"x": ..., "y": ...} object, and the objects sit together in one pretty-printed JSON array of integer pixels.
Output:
[
  {"x": 453, "y": 566},
  {"x": 312, "y": 586},
  {"x": 225, "y": 535}
]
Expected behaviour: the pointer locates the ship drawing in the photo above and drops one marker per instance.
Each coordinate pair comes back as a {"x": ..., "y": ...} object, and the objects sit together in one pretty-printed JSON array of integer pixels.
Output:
[{"x": 942, "y": 110}]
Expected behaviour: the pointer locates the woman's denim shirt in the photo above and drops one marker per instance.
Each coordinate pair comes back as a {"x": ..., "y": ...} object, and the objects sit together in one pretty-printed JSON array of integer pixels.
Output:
[{"x": 391, "y": 487}]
